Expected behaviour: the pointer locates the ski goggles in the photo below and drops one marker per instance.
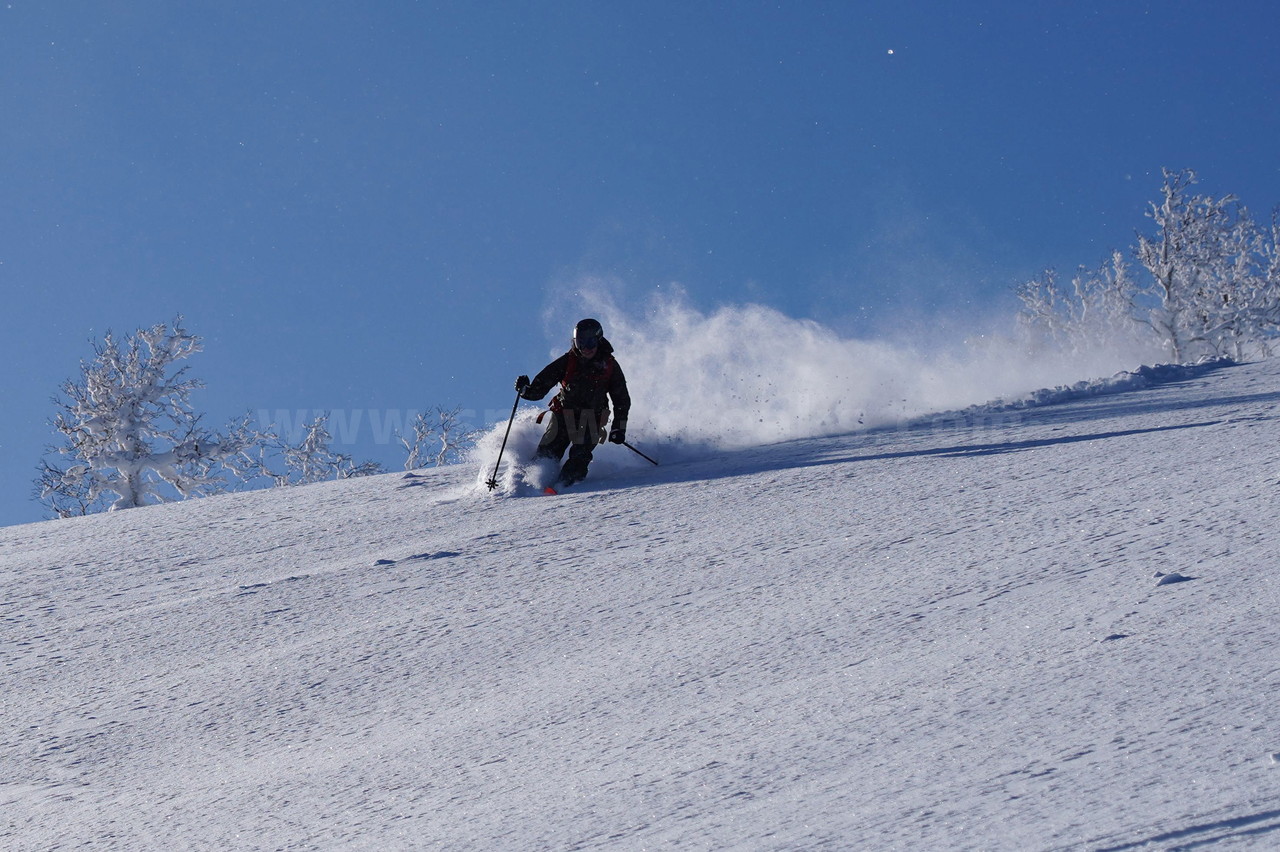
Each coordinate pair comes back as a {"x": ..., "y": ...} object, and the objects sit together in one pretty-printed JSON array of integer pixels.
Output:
[{"x": 586, "y": 341}]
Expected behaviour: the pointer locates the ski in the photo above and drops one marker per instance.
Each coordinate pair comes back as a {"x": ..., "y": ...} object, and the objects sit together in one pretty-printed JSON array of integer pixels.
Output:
[{"x": 558, "y": 486}]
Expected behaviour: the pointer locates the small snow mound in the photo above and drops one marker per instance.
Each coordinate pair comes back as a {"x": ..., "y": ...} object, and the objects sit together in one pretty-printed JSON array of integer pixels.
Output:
[{"x": 1163, "y": 579}]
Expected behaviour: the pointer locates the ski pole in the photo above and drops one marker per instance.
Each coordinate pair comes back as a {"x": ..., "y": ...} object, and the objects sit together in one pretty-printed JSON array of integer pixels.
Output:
[
  {"x": 493, "y": 480},
  {"x": 640, "y": 454}
]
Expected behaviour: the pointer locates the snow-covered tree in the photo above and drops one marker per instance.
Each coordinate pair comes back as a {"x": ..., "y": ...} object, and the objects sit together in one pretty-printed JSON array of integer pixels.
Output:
[
  {"x": 439, "y": 437},
  {"x": 129, "y": 434},
  {"x": 1099, "y": 307},
  {"x": 415, "y": 445},
  {"x": 1194, "y": 259},
  {"x": 1047, "y": 311},
  {"x": 1212, "y": 285},
  {"x": 1266, "y": 286},
  {"x": 1253, "y": 323},
  {"x": 311, "y": 459}
]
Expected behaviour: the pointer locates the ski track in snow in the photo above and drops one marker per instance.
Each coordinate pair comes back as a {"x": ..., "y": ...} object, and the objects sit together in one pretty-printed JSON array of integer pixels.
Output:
[{"x": 958, "y": 634}]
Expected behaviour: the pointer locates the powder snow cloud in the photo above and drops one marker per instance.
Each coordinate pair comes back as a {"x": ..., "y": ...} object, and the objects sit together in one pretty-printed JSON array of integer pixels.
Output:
[{"x": 748, "y": 374}]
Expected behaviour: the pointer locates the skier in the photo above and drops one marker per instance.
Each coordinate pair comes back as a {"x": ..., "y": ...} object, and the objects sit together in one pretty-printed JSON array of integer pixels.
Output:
[{"x": 589, "y": 377}]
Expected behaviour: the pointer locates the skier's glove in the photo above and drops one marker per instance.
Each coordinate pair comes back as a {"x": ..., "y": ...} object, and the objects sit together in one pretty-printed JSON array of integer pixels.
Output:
[
  {"x": 521, "y": 383},
  {"x": 617, "y": 435}
]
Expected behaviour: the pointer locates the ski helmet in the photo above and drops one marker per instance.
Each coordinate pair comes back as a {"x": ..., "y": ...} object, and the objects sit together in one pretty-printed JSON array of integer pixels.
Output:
[{"x": 587, "y": 334}]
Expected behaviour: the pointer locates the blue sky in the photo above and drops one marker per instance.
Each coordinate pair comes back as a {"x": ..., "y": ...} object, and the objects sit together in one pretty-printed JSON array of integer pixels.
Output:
[{"x": 371, "y": 206}]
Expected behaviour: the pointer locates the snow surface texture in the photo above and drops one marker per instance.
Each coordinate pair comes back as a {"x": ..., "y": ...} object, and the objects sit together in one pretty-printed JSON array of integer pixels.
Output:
[{"x": 957, "y": 634}]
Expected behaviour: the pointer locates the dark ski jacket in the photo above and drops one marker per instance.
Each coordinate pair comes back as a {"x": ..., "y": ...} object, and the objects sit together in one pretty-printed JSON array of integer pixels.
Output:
[{"x": 588, "y": 384}]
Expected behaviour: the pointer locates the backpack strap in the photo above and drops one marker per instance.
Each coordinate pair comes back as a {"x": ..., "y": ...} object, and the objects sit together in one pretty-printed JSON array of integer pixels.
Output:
[{"x": 570, "y": 368}]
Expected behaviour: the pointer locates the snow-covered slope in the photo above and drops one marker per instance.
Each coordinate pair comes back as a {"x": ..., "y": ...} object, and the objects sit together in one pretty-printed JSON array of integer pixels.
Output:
[{"x": 957, "y": 635}]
